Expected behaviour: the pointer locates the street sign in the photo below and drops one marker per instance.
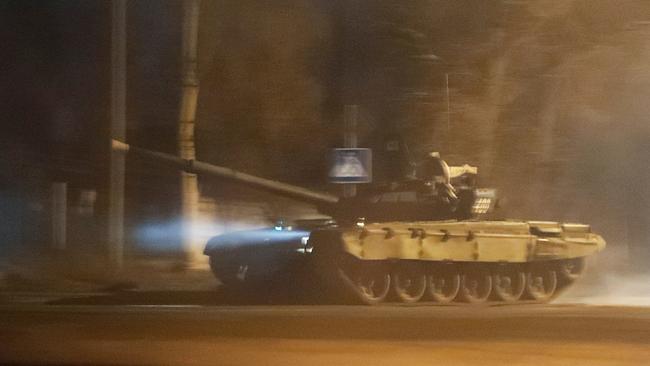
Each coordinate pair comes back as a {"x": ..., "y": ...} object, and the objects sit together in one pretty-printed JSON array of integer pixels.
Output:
[{"x": 351, "y": 165}]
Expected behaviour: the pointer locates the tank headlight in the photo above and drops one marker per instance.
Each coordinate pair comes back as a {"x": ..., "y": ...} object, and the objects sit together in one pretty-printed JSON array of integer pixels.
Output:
[{"x": 305, "y": 248}]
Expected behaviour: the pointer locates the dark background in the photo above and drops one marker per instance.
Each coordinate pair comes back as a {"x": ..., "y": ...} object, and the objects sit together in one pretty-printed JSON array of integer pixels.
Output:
[{"x": 548, "y": 98}]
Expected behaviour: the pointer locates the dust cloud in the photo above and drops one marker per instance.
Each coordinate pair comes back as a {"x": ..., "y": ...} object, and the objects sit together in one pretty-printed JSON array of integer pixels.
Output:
[
  {"x": 609, "y": 280},
  {"x": 623, "y": 289}
]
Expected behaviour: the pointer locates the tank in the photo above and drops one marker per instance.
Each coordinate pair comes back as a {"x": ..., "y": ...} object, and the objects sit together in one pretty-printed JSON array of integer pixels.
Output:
[{"x": 424, "y": 239}]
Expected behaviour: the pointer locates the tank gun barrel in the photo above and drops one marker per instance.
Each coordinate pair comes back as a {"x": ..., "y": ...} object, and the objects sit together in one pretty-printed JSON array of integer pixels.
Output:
[{"x": 199, "y": 167}]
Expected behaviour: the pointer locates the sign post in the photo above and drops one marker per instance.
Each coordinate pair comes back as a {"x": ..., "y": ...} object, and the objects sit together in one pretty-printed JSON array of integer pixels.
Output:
[{"x": 350, "y": 117}]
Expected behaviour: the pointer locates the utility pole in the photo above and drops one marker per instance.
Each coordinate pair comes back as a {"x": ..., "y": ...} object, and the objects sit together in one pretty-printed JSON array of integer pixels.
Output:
[
  {"x": 118, "y": 132},
  {"x": 448, "y": 134},
  {"x": 350, "y": 118},
  {"x": 59, "y": 204},
  {"x": 187, "y": 116}
]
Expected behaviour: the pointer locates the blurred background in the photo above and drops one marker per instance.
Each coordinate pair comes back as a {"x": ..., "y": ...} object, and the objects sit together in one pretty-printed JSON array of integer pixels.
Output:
[{"x": 548, "y": 98}]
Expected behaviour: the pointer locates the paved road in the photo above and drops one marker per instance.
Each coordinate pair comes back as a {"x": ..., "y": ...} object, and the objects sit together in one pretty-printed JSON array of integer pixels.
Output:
[{"x": 324, "y": 335}]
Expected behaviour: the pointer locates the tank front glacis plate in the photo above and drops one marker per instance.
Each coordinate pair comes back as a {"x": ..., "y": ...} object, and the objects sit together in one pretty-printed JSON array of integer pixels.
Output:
[{"x": 471, "y": 241}]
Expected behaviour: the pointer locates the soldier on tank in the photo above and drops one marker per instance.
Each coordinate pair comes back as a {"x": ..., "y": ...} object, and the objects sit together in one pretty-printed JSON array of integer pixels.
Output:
[{"x": 435, "y": 174}]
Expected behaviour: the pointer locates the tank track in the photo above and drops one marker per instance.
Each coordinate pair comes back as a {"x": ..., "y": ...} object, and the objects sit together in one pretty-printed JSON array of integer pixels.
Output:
[{"x": 542, "y": 282}]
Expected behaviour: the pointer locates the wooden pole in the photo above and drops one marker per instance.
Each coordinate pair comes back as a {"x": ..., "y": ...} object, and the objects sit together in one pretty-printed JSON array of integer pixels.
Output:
[
  {"x": 187, "y": 116},
  {"x": 59, "y": 211},
  {"x": 118, "y": 131}
]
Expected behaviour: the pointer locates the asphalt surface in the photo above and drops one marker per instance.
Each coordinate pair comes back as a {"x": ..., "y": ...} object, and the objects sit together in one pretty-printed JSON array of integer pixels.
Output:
[{"x": 73, "y": 332}]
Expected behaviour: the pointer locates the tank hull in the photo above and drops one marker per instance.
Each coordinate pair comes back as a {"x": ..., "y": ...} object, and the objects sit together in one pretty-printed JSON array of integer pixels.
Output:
[
  {"x": 467, "y": 241},
  {"x": 455, "y": 261},
  {"x": 428, "y": 262}
]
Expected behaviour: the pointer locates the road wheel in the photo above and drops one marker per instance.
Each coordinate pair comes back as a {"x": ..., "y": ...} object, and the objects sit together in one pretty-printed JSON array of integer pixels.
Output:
[
  {"x": 475, "y": 286},
  {"x": 571, "y": 269},
  {"x": 508, "y": 283},
  {"x": 409, "y": 283},
  {"x": 541, "y": 283},
  {"x": 372, "y": 284},
  {"x": 443, "y": 285}
]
